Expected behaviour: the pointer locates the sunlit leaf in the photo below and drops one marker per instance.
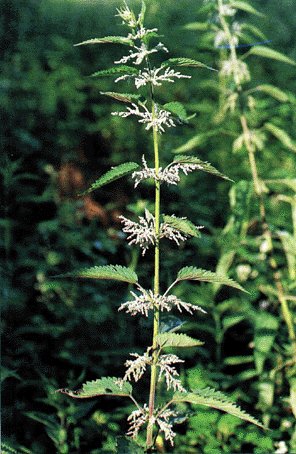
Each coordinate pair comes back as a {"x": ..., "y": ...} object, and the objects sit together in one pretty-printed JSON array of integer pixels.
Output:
[
  {"x": 105, "y": 386},
  {"x": 289, "y": 245},
  {"x": 186, "y": 62},
  {"x": 197, "y": 274},
  {"x": 215, "y": 399},
  {"x": 264, "y": 51},
  {"x": 177, "y": 109},
  {"x": 107, "y": 39},
  {"x": 123, "y": 97},
  {"x": 202, "y": 165},
  {"x": 201, "y": 26},
  {"x": 273, "y": 91},
  {"x": 244, "y": 6},
  {"x": 112, "y": 272},
  {"x": 281, "y": 135},
  {"x": 266, "y": 326},
  {"x": 112, "y": 175},
  {"x": 183, "y": 225},
  {"x": 177, "y": 340},
  {"x": 116, "y": 71}
]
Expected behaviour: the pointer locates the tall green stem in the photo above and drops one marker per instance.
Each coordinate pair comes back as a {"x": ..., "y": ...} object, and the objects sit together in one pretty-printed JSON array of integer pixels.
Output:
[{"x": 153, "y": 378}]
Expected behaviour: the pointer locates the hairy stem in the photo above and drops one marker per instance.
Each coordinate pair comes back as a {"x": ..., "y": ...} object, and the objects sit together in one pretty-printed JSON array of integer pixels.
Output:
[{"x": 153, "y": 378}]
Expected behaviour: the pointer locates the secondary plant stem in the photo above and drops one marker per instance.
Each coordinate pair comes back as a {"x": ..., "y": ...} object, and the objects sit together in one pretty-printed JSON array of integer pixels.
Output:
[
  {"x": 268, "y": 236},
  {"x": 149, "y": 440},
  {"x": 258, "y": 191}
]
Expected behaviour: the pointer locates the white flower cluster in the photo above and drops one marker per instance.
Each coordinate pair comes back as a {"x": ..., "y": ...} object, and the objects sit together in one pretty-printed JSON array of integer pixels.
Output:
[
  {"x": 237, "y": 69},
  {"x": 165, "y": 426},
  {"x": 141, "y": 33},
  {"x": 136, "y": 367},
  {"x": 222, "y": 38},
  {"x": 165, "y": 364},
  {"x": 154, "y": 77},
  {"x": 140, "y": 416},
  {"x": 169, "y": 174},
  {"x": 137, "y": 419},
  {"x": 282, "y": 448},
  {"x": 160, "y": 119},
  {"x": 128, "y": 17},
  {"x": 227, "y": 10},
  {"x": 138, "y": 54},
  {"x": 171, "y": 233},
  {"x": 147, "y": 300},
  {"x": 142, "y": 232}
]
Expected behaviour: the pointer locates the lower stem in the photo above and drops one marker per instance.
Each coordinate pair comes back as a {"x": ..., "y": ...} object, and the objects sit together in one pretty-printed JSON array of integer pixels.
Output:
[
  {"x": 153, "y": 377},
  {"x": 268, "y": 236}
]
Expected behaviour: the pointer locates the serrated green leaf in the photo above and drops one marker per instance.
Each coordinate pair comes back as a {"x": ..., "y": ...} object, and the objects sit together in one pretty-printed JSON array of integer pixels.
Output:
[
  {"x": 113, "y": 174},
  {"x": 177, "y": 109},
  {"x": 105, "y": 386},
  {"x": 197, "y": 274},
  {"x": 273, "y": 91},
  {"x": 264, "y": 51},
  {"x": 266, "y": 395},
  {"x": 255, "y": 30},
  {"x": 186, "y": 62},
  {"x": 116, "y": 71},
  {"x": 177, "y": 340},
  {"x": 128, "y": 446},
  {"x": 107, "y": 39},
  {"x": 231, "y": 320},
  {"x": 266, "y": 326},
  {"x": 281, "y": 135},
  {"x": 123, "y": 97},
  {"x": 244, "y": 6},
  {"x": 112, "y": 272},
  {"x": 203, "y": 166},
  {"x": 215, "y": 399},
  {"x": 183, "y": 225}
]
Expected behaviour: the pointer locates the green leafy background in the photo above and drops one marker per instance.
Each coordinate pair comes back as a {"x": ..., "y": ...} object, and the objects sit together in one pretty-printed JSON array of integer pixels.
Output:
[{"x": 58, "y": 137}]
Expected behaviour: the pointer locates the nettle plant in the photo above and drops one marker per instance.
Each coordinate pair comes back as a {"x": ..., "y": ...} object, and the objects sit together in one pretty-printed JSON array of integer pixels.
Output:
[
  {"x": 254, "y": 123},
  {"x": 157, "y": 415}
]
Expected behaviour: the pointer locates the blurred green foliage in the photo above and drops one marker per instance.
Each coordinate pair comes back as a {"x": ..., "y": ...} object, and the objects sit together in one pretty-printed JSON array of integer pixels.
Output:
[{"x": 57, "y": 135}]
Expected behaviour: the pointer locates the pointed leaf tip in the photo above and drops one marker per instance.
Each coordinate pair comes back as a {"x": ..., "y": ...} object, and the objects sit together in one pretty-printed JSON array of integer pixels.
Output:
[
  {"x": 107, "y": 39},
  {"x": 215, "y": 399},
  {"x": 105, "y": 386},
  {"x": 177, "y": 340},
  {"x": 192, "y": 273},
  {"x": 186, "y": 62},
  {"x": 113, "y": 174},
  {"x": 112, "y": 272},
  {"x": 203, "y": 165}
]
